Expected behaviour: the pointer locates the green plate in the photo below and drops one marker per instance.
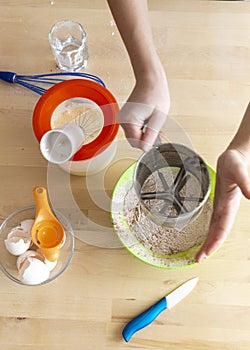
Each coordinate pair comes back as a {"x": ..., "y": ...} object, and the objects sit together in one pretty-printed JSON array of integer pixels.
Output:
[{"x": 129, "y": 240}]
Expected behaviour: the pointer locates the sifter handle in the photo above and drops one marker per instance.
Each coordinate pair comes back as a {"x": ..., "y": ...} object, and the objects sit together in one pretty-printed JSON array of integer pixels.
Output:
[{"x": 158, "y": 141}]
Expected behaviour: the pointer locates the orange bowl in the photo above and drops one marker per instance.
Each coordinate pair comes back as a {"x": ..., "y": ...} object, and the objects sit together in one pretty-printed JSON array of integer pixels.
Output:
[{"x": 79, "y": 88}]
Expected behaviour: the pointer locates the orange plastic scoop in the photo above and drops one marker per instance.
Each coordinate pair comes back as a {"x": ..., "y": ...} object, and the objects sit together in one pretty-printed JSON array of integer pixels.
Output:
[{"x": 47, "y": 232}]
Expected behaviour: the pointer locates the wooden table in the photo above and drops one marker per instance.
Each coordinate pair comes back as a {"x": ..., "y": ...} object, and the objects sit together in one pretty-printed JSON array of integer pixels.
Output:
[{"x": 205, "y": 48}]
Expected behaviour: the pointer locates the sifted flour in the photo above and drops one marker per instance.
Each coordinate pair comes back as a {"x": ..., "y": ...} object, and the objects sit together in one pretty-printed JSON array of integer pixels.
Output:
[
  {"x": 190, "y": 191},
  {"x": 162, "y": 239}
]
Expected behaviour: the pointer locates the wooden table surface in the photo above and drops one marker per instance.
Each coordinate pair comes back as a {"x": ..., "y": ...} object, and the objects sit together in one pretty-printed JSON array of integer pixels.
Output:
[{"x": 205, "y": 49}]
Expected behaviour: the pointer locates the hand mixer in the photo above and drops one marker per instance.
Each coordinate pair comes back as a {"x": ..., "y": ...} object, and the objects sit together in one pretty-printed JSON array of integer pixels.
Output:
[{"x": 32, "y": 82}]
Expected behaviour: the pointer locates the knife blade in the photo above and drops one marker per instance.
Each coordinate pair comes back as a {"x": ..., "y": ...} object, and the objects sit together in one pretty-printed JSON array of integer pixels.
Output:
[{"x": 167, "y": 302}]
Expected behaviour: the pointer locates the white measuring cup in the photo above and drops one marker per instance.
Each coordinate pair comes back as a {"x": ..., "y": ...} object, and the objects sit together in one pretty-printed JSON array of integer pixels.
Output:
[{"x": 60, "y": 144}]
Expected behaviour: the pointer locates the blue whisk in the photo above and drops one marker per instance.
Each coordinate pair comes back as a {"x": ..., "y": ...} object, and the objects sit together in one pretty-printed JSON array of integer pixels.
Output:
[{"x": 32, "y": 82}]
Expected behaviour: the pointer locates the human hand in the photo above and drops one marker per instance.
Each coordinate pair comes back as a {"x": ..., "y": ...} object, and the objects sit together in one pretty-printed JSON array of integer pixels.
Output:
[
  {"x": 148, "y": 104},
  {"x": 231, "y": 181}
]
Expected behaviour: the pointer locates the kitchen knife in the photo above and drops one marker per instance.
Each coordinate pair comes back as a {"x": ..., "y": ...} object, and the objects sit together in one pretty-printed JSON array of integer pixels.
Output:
[{"x": 167, "y": 302}]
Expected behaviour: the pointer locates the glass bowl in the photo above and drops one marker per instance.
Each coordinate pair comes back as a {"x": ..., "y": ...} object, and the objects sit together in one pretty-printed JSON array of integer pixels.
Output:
[{"x": 8, "y": 262}]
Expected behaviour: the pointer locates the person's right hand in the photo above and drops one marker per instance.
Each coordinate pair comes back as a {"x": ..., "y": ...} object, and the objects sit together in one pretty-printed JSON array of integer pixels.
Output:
[
  {"x": 231, "y": 181},
  {"x": 148, "y": 104}
]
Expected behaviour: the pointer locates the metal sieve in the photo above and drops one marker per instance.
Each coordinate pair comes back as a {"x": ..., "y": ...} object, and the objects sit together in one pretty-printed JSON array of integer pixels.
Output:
[{"x": 172, "y": 183}]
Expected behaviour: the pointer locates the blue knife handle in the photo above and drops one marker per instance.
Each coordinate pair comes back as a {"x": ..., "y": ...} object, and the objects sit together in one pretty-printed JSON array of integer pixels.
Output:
[{"x": 144, "y": 319}]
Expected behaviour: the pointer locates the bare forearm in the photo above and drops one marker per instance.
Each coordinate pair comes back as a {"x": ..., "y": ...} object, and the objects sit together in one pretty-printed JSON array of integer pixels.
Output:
[
  {"x": 131, "y": 17},
  {"x": 151, "y": 87}
]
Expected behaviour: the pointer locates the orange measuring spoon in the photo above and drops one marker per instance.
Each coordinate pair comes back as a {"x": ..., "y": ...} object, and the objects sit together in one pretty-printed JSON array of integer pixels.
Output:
[{"x": 47, "y": 232}]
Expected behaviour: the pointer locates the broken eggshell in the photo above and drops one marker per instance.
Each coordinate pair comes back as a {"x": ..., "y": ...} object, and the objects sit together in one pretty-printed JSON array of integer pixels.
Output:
[
  {"x": 32, "y": 268},
  {"x": 26, "y": 225},
  {"x": 17, "y": 241},
  {"x": 28, "y": 254},
  {"x": 50, "y": 264}
]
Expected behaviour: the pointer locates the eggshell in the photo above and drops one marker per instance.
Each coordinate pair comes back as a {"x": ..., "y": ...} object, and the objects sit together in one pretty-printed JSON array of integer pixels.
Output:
[
  {"x": 27, "y": 225},
  {"x": 29, "y": 254},
  {"x": 17, "y": 241},
  {"x": 49, "y": 264},
  {"x": 33, "y": 271}
]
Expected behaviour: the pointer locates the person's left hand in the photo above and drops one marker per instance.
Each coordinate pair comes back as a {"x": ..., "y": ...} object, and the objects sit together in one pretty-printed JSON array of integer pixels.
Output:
[{"x": 231, "y": 181}]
